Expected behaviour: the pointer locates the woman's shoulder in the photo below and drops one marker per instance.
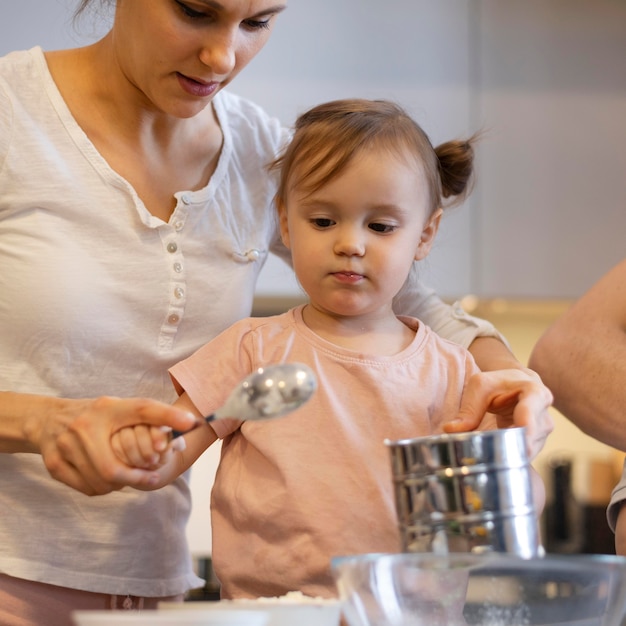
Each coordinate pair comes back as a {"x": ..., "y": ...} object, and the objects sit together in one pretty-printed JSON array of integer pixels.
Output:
[
  {"x": 247, "y": 121},
  {"x": 17, "y": 65},
  {"x": 20, "y": 80},
  {"x": 22, "y": 74}
]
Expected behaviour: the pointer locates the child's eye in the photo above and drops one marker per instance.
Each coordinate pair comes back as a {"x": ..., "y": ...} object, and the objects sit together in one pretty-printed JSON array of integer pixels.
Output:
[
  {"x": 382, "y": 228},
  {"x": 321, "y": 222}
]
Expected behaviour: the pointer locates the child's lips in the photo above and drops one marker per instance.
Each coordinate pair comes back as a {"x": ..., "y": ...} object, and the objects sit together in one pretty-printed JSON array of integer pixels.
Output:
[{"x": 348, "y": 277}]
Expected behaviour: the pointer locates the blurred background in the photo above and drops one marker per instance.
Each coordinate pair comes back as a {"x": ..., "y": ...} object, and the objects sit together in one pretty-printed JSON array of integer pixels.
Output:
[{"x": 546, "y": 80}]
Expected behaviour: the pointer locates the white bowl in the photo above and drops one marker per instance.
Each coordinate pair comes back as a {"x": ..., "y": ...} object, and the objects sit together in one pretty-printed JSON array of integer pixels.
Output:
[
  {"x": 289, "y": 610},
  {"x": 176, "y": 617}
]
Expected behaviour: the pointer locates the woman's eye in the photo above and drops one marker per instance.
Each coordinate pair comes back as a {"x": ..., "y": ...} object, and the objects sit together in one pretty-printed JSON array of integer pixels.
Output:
[
  {"x": 382, "y": 228},
  {"x": 322, "y": 222},
  {"x": 189, "y": 12},
  {"x": 257, "y": 24}
]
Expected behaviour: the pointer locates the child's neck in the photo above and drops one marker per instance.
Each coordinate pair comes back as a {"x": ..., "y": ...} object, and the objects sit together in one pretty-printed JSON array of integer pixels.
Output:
[{"x": 379, "y": 334}]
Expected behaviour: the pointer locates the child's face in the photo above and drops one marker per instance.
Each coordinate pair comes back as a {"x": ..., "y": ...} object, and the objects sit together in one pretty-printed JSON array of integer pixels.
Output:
[{"x": 354, "y": 240}]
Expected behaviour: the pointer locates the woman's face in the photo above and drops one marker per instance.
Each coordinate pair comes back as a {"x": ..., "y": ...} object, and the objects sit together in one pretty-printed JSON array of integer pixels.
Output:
[{"x": 179, "y": 53}]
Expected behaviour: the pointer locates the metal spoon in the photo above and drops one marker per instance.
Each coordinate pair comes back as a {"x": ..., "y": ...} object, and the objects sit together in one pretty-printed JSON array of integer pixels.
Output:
[{"x": 269, "y": 392}]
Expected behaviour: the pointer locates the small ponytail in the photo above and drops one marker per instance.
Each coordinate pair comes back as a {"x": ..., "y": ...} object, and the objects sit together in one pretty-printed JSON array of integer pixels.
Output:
[{"x": 456, "y": 168}]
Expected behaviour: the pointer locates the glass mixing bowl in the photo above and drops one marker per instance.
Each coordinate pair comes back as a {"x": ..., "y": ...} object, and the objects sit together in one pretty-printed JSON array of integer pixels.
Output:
[{"x": 412, "y": 589}]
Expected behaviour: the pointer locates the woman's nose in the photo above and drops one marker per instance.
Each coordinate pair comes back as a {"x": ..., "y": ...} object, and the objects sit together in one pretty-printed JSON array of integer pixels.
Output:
[{"x": 219, "y": 54}]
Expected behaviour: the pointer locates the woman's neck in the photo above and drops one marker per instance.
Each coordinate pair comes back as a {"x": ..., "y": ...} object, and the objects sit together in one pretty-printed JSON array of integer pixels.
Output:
[{"x": 158, "y": 154}]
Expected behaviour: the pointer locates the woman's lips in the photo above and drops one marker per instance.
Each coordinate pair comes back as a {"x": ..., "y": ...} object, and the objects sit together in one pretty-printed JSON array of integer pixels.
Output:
[{"x": 195, "y": 87}]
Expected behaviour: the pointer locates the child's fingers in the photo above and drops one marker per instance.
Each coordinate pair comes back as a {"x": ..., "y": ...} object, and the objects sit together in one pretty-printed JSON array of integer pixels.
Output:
[
  {"x": 136, "y": 446},
  {"x": 145, "y": 443}
]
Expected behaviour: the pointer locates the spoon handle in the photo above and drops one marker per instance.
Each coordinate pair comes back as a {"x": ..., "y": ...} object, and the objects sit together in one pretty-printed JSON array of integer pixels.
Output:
[{"x": 178, "y": 433}]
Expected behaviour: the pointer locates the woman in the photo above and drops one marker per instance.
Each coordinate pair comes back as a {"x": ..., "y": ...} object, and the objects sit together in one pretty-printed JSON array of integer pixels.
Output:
[{"x": 135, "y": 216}]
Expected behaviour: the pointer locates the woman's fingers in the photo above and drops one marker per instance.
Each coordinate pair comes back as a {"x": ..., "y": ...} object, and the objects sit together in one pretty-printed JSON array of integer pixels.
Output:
[
  {"x": 513, "y": 398},
  {"x": 78, "y": 450}
]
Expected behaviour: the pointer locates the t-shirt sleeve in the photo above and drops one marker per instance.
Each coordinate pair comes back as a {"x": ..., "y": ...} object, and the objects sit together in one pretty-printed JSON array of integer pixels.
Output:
[
  {"x": 6, "y": 125},
  {"x": 211, "y": 373},
  {"x": 448, "y": 321},
  {"x": 617, "y": 498}
]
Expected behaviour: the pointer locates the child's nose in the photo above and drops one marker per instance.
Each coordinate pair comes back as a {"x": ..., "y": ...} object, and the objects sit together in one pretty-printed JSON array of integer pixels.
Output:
[{"x": 350, "y": 242}]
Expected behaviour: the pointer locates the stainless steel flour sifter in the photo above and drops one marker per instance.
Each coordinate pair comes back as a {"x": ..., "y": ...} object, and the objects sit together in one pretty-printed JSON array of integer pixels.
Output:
[{"x": 465, "y": 492}]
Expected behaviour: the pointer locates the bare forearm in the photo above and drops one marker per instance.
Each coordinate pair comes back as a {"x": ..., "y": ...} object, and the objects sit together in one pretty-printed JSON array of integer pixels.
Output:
[
  {"x": 491, "y": 354},
  {"x": 74, "y": 435},
  {"x": 20, "y": 415},
  {"x": 582, "y": 359},
  {"x": 586, "y": 372}
]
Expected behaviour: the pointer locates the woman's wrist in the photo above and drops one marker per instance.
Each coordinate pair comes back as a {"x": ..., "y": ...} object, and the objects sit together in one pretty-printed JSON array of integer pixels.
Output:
[
  {"x": 22, "y": 420},
  {"x": 491, "y": 354}
]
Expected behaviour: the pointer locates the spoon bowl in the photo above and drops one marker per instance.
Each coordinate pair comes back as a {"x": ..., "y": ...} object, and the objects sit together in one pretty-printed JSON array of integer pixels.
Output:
[{"x": 267, "y": 393}]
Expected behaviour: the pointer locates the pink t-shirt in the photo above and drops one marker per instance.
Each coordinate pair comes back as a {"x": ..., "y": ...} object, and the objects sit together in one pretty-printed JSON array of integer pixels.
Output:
[{"x": 291, "y": 493}]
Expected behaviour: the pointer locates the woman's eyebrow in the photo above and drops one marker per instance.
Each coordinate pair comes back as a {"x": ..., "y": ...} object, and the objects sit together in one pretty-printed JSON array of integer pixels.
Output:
[{"x": 218, "y": 6}]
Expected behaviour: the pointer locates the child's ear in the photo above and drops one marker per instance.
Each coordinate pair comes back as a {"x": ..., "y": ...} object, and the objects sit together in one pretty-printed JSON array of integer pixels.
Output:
[
  {"x": 282, "y": 219},
  {"x": 428, "y": 235}
]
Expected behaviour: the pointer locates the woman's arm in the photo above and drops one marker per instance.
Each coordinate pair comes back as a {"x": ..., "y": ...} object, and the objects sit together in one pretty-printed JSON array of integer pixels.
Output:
[
  {"x": 490, "y": 353},
  {"x": 514, "y": 393},
  {"x": 448, "y": 321},
  {"x": 582, "y": 359},
  {"x": 74, "y": 436}
]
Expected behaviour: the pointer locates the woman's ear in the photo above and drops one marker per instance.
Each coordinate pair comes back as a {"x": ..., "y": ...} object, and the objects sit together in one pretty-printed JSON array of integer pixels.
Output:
[
  {"x": 283, "y": 222},
  {"x": 428, "y": 235}
]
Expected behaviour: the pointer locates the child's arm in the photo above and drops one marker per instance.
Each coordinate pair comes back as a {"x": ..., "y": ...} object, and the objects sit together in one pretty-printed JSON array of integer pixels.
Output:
[{"x": 149, "y": 447}]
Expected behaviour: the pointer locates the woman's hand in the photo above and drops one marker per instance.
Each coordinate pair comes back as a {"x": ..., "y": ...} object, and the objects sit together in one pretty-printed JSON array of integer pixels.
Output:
[
  {"x": 74, "y": 438},
  {"x": 504, "y": 398}
]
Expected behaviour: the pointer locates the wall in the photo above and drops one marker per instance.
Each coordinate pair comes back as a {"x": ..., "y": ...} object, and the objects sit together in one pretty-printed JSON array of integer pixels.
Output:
[
  {"x": 551, "y": 90},
  {"x": 545, "y": 78}
]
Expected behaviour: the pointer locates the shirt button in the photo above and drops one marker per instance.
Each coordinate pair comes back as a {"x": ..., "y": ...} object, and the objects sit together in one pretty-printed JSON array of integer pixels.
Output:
[
  {"x": 173, "y": 319},
  {"x": 172, "y": 247},
  {"x": 178, "y": 267},
  {"x": 253, "y": 255},
  {"x": 179, "y": 225},
  {"x": 179, "y": 292},
  {"x": 186, "y": 198}
]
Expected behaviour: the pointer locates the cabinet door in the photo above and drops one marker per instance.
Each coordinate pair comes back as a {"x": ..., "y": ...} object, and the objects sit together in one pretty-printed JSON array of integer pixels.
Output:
[{"x": 551, "y": 91}]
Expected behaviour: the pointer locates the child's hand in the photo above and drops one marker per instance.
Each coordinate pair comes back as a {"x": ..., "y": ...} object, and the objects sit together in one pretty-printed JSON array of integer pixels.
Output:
[{"x": 145, "y": 447}]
